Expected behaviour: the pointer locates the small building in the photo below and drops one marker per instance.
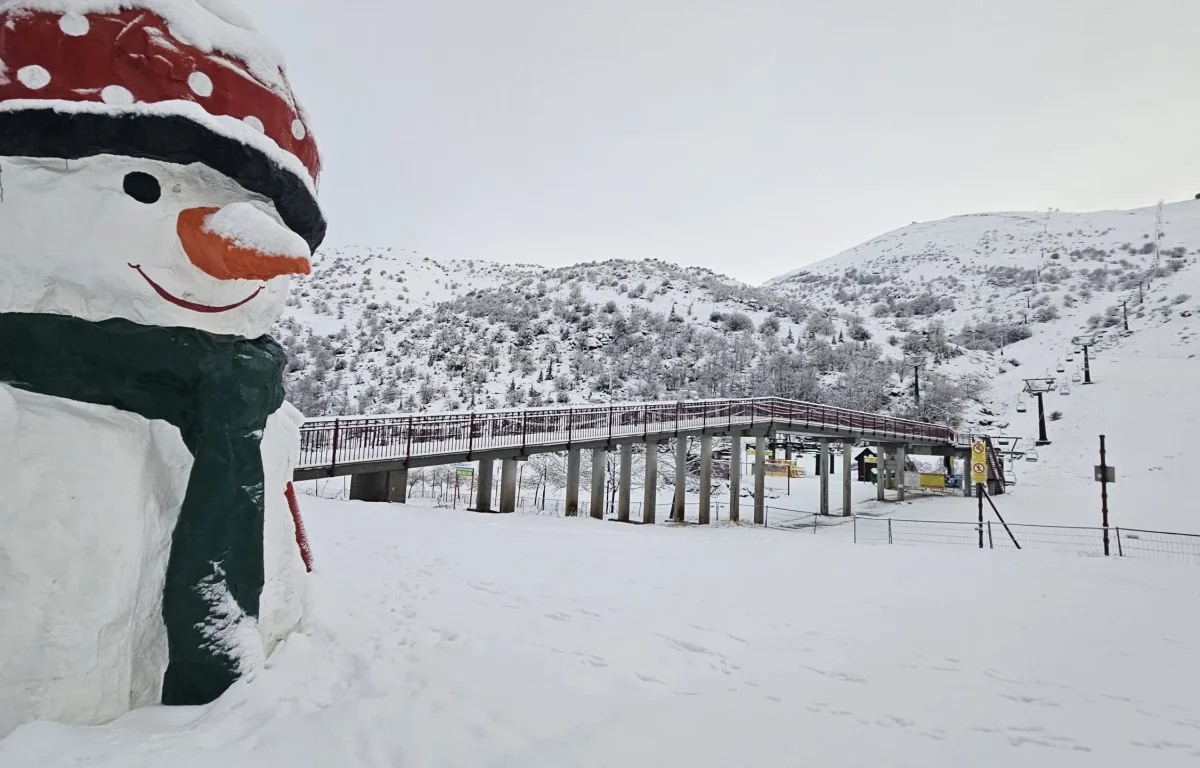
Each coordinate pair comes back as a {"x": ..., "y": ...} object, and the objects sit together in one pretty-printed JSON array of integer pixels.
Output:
[{"x": 865, "y": 468}]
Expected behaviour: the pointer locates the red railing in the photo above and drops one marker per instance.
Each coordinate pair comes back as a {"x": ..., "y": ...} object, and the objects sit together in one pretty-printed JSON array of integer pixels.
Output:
[{"x": 330, "y": 443}]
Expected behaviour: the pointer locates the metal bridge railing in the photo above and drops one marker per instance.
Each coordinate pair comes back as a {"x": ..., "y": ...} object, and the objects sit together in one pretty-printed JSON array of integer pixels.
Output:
[{"x": 330, "y": 442}]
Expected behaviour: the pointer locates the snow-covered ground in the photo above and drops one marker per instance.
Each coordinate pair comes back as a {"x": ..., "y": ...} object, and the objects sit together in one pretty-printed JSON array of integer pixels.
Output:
[{"x": 444, "y": 638}]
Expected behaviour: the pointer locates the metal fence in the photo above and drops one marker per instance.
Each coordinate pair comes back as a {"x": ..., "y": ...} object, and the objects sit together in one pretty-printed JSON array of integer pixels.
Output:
[{"x": 1115, "y": 542}]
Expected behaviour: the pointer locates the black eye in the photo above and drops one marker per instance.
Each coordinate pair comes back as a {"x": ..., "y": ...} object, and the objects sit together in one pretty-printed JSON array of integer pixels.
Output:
[{"x": 142, "y": 187}]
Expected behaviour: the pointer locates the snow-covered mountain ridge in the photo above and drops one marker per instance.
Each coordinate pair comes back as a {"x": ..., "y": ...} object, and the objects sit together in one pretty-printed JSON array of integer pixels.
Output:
[{"x": 381, "y": 330}]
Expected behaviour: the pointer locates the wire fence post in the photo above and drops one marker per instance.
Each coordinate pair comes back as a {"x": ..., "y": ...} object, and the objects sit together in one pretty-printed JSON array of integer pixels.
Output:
[
  {"x": 1119, "y": 552},
  {"x": 854, "y": 526},
  {"x": 991, "y": 545},
  {"x": 889, "y": 530}
]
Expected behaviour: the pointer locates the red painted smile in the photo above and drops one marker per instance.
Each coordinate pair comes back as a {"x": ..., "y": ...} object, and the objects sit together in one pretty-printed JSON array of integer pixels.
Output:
[{"x": 191, "y": 304}]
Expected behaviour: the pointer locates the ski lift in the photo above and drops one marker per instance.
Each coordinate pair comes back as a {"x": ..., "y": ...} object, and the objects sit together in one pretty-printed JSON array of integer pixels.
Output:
[
  {"x": 1031, "y": 455},
  {"x": 1065, "y": 389},
  {"x": 1076, "y": 377},
  {"x": 1060, "y": 368},
  {"x": 1022, "y": 406},
  {"x": 1070, "y": 357}
]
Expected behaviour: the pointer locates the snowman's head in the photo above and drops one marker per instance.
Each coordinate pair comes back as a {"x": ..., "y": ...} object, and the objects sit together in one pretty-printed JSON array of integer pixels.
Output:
[
  {"x": 154, "y": 166},
  {"x": 153, "y": 242}
]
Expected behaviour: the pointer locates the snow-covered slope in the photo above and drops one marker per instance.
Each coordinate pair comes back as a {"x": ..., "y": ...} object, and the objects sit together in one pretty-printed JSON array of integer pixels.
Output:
[
  {"x": 379, "y": 330},
  {"x": 376, "y": 330},
  {"x": 999, "y": 267},
  {"x": 443, "y": 638}
]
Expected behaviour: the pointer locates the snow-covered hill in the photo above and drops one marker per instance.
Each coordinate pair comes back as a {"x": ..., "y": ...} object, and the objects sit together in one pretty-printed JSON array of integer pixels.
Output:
[{"x": 381, "y": 330}]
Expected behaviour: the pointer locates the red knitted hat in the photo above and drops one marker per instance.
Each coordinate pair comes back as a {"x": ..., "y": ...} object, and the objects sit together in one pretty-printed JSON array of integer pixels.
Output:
[{"x": 175, "y": 80}]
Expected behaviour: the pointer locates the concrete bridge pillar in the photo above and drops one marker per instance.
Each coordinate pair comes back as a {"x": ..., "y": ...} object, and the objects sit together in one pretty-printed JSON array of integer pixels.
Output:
[
  {"x": 483, "y": 486},
  {"x": 650, "y": 493},
  {"x": 760, "y": 481},
  {"x": 380, "y": 486},
  {"x": 624, "y": 482},
  {"x": 572, "y": 506},
  {"x": 681, "y": 444},
  {"x": 508, "y": 485},
  {"x": 735, "y": 475},
  {"x": 847, "y": 463},
  {"x": 823, "y": 461},
  {"x": 599, "y": 459},
  {"x": 880, "y": 471},
  {"x": 901, "y": 456},
  {"x": 705, "y": 479}
]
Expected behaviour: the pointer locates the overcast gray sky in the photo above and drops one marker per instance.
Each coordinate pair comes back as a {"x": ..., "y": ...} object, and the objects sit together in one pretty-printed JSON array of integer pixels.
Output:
[{"x": 747, "y": 136}]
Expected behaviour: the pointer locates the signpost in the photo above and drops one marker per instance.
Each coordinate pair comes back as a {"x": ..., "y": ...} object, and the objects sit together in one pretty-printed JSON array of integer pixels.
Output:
[
  {"x": 1104, "y": 475},
  {"x": 979, "y": 477},
  {"x": 459, "y": 474}
]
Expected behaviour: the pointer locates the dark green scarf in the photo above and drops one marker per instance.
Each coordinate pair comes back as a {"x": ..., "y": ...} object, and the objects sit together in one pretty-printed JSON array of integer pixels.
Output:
[{"x": 219, "y": 391}]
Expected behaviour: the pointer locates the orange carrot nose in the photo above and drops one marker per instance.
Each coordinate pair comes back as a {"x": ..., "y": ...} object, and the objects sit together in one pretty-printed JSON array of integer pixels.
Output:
[{"x": 226, "y": 260}]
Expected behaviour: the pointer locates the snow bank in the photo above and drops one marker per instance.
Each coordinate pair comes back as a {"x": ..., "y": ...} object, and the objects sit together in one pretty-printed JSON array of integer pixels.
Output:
[{"x": 450, "y": 639}]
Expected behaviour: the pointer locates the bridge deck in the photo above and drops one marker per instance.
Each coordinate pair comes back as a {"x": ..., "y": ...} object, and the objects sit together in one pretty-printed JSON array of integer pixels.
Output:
[{"x": 345, "y": 446}]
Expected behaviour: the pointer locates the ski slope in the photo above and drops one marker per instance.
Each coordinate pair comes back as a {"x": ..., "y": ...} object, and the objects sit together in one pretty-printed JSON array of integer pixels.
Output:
[{"x": 442, "y": 638}]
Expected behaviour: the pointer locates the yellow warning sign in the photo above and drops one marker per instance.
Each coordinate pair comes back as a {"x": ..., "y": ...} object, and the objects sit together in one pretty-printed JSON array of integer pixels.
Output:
[{"x": 979, "y": 473}]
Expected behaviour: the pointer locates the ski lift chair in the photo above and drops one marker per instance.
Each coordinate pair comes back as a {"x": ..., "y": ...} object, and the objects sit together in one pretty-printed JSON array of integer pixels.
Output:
[
  {"x": 1060, "y": 367},
  {"x": 1022, "y": 406},
  {"x": 1065, "y": 389},
  {"x": 1070, "y": 357},
  {"x": 1077, "y": 376},
  {"x": 1031, "y": 455}
]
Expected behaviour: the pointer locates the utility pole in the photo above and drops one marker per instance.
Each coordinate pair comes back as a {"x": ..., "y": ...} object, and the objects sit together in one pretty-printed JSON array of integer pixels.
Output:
[
  {"x": 1087, "y": 365},
  {"x": 1040, "y": 387},
  {"x": 1125, "y": 314},
  {"x": 1157, "y": 235},
  {"x": 917, "y": 384},
  {"x": 1041, "y": 421}
]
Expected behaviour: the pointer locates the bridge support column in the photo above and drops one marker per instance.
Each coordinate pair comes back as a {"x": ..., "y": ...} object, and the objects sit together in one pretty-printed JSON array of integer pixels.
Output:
[
  {"x": 599, "y": 459},
  {"x": 901, "y": 456},
  {"x": 680, "y": 479},
  {"x": 880, "y": 471},
  {"x": 823, "y": 460},
  {"x": 508, "y": 485},
  {"x": 650, "y": 492},
  {"x": 705, "y": 480},
  {"x": 847, "y": 463},
  {"x": 760, "y": 481},
  {"x": 735, "y": 475},
  {"x": 572, "y": 506},
  {"x": 483, "y": 485},
  {"x": 624, "y": 481}
]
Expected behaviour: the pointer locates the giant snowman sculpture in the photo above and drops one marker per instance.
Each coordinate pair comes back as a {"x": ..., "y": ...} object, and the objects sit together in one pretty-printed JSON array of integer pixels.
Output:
[{"x": 156, "y": 191}]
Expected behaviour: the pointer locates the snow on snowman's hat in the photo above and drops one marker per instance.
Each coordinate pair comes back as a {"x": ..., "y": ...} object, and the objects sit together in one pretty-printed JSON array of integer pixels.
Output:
[{"x": 181, "y": 81}]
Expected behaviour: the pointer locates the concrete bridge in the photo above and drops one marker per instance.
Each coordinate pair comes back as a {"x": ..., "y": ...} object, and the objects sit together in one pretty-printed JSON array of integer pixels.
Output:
[{"x": 378, "y": 451}]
